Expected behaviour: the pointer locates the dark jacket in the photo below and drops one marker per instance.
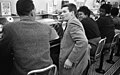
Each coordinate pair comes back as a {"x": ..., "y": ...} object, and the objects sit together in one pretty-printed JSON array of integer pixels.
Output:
[
  {"x": 106, "y": 27},
  {"x": 92, "y": 32},
  {"x": 91, "y": 28},
  {"x": 116, "y": 21}
]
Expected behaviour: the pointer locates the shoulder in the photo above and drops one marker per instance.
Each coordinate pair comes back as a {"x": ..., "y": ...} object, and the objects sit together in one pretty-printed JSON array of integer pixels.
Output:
[
  {"x": 103, "y": 19},
  {"x": 116, "y": 18},
  {"x": 88, "y": 20},
  {"x": 76, "y": 24},
  {"x": 8, "y": 25},
  {"x": 75, "y": 21}
]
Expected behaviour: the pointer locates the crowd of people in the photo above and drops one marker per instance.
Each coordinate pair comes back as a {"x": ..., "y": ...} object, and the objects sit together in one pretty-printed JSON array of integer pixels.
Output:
[{"x": 25, "y": 44}]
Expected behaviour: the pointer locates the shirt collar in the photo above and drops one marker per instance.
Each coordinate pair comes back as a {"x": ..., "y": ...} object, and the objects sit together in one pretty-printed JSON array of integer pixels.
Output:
[{"x": 25, "y": 18}]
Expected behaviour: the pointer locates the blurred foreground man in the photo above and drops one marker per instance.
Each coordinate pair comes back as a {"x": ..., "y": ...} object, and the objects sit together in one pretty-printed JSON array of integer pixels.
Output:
[
  {"x": 74, "y": 54},
  {"x": 28, "y": 40}
]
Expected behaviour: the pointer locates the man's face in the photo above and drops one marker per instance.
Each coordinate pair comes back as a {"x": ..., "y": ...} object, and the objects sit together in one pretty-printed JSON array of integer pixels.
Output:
[
  {"x": 102, "y": 12},
  {"x": 66, "y": 14},
  {"x": 81, "y": 15}
]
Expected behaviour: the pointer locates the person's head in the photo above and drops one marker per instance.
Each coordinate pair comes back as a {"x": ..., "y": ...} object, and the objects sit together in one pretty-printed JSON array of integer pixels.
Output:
[
  {"x": 68, "y": 11},
  {"x": 114, "y": 11},
  {"x": 108, "y": 3},
  {"x": 83, "y": 12},
  {"x": 25, "y": 8},
  {"x": 103, "y": 2},
  {"x": 105, "y": 9}
]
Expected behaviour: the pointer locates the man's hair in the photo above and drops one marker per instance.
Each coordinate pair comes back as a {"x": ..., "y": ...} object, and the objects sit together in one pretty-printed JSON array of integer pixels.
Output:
[
  {"x": 85, "y": 10},
  {"x": 71, "y": 7},
  {"x": 114, "y": 11},
  {"x": 106, "y": 7},
  {"x": 24, "y": 7}
]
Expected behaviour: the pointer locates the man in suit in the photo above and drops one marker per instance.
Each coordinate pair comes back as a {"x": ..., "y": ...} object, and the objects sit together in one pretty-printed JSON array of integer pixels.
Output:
[
  {"x": 74, "y": 53},
  {"x": 29, "y": 41}
]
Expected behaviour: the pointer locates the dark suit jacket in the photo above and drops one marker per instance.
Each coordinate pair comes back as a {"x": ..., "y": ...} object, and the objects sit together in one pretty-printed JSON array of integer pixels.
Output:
[
  {"x": 29, "y": 41},
  {"x": 106, "y": 27},
  {"x": 91, "y": 28}
]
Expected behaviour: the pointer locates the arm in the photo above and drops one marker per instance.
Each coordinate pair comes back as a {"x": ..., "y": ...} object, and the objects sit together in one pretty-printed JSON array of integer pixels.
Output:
[
  {"x": 5, "y": 53},
  {"x": 5, "y": 42},
  {"x": 53, "y": 34},
  {"x": 81, "y": 43}
]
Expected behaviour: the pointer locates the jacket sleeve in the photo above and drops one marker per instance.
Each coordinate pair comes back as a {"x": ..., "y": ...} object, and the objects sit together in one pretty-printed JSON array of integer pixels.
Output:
[
  {"x": 53, "y": 34},
  {"x": 81, "y": 43},
  {"x": 5, "y": 52}
]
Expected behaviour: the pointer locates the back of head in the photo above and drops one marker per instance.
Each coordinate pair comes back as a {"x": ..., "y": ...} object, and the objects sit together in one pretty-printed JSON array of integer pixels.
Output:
[
  {"x": 85, "y": 10},
  {"x": 71, "y": 7},
  {"x": 24, "y": 7},
  {"x": 106, "y": 7},
  {"x": 114, "y": 11}
]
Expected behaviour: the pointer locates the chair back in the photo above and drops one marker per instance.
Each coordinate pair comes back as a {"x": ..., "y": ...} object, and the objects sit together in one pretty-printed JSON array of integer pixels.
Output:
[
  {"x": 38, "y": 71},
  {"x": 100, "y": 46},
  {"x": 114, "y": 41}
]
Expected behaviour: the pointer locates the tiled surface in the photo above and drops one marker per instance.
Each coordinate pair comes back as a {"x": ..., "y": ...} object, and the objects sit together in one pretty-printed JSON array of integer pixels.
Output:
[
  {"x": 109, "y": 68},
  {"x": 117, "y": 72},
  {"x": 114, "y": 68}
]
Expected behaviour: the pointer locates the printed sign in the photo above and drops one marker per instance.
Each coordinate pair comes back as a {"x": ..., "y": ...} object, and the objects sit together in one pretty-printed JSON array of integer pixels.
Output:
[{"x": 5, "y": 8}]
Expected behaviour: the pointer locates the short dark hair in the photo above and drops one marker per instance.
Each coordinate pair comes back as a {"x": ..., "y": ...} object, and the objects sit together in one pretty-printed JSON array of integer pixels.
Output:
[
  {"x": 107, "y": 8},
  {"x": 24, "y": 7},
  {"x": 114, "y": 11},
  {"x": 71, "y": 7},
  {"x": 85, "y": 10}
]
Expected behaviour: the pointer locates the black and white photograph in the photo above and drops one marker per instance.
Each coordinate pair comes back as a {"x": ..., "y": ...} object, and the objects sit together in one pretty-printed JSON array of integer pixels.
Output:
[{"x": 59, "y": 37}]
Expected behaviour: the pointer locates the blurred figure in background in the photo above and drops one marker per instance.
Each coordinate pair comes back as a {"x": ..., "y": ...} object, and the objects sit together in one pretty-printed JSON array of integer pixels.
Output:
[
  {"x": 91, "y": 28},
  {"x": 74, "y": 53},
  {"x": 109, "y": 3},
  {"x": 103, "y": 2},
  {"x": 116, "y": 5},
  {"x": 106, "y": 24},
  {"x": 28, "y": 40},
  {"x": 116, "y": 20}
]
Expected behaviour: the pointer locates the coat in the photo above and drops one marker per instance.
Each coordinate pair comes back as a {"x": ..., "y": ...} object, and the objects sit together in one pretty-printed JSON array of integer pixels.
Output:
[{"x": 74, "y": 46}]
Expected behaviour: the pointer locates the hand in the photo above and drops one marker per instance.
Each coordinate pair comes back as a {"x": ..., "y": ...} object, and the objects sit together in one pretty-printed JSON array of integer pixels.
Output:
[
  {"x": 68, "y": 64},
  {"x": 89, "y": 46}
]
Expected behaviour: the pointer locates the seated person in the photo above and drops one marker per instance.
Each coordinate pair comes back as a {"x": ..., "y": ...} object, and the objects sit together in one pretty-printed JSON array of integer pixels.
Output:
[
  {"x": 116, "y": 20},
  {"x": 115, "y": 17},
  {"x": 106, "y": 24},
  {"x": 91, "y": 28}
]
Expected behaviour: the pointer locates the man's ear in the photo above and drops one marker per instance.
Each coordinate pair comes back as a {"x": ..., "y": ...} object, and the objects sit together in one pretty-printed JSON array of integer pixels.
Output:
[
  {"x": 31, "y": 13},
  {"x": 72, "y": 13}
]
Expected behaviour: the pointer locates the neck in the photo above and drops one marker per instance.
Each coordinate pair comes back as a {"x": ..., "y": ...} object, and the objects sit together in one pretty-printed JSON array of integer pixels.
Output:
[
  {"x": 71, "y": 17},
  {"x": 26, "y": 18}
]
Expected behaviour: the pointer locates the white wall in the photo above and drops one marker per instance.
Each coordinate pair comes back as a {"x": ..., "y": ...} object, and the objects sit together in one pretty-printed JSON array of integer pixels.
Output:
[
  {"x": 89, "y": 3},
  {"x": 42, "y": 4},
  {"x": 39, "y": 4}
]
